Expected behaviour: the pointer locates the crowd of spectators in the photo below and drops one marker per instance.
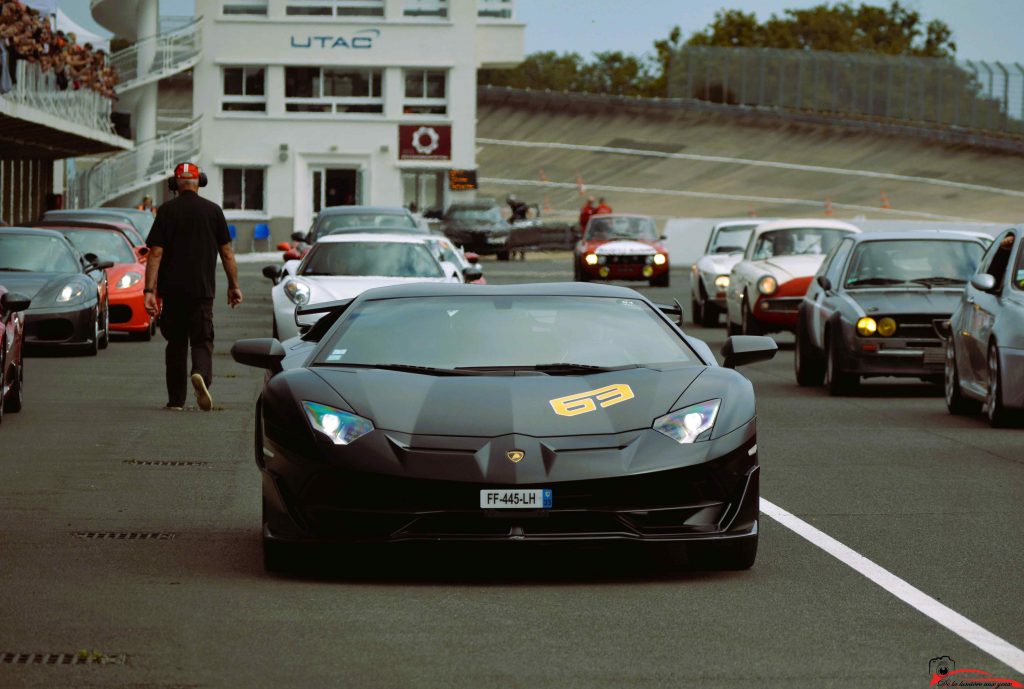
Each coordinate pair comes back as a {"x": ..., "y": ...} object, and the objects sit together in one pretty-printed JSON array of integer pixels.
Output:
[{"x": 27, "y": 35}]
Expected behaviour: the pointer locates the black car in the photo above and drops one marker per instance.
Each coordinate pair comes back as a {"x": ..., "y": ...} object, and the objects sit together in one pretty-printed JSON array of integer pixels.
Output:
[
  {"x": 362, "y": 219},
  {"x": 69, "y": 307},
  {"x": 479, "y": 227},
  {"x": 547, "y": 412},
  {"x": 141, "y": 220},
  {"x": 877, "y": 305}
]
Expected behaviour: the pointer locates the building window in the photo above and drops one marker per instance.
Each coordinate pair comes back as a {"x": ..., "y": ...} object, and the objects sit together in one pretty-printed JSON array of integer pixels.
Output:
[
  {"x": 426, "y": 92},
  {"x": 437, "y": 9},
  {"x": 244, "y": 90},
  {"x": 243, "y": 188},
  {"x": 336, "y": 8},
  {"x": 257, "y": 8},
  {"x": 333, "y": 89},
  {"x": 496, "y": 9}
]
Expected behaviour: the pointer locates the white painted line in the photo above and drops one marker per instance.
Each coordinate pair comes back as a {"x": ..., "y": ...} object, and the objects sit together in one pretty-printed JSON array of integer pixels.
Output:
[
  {"x": 998, "y": 648},
  {"x": 755, "y": 163},
  {"x": 774, "y": 200}
]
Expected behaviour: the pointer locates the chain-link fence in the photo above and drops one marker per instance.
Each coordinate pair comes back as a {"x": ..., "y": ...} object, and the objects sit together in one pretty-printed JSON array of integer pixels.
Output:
[{"x": 986, "y": 96}]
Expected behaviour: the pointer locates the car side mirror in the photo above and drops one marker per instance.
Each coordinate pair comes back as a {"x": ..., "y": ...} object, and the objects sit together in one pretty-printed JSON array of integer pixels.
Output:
[
  {"x": 740, "y": 350},
  {"x": 104, "y": 265},
  {"x": 12, "y": 302},
  {"x": 471, "y": 273},
  {"x": 142, "y": 251},
  {"x": 824, "y": 283},
  {"x": 284, "y": 246},
  {"x": 263, "y": 352},
  {"x": 272, "y": 272},
  {"x": 298, "y": 237},
  {"x": 90, "y": 258},
  {"x": 983, "y": 282},
  {"x": 472, "y": 257}
]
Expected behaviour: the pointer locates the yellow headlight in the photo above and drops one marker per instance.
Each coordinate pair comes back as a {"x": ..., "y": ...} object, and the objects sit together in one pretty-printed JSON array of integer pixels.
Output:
[
  {"x": 591, "y": 259},
  {"x": 660, "y": 259},
  {"x": 886, "y": 327},
  {"x": 604, "y": 271},
  {"x": 866, "y": 327},
  {"x": 648, "y": 271}
]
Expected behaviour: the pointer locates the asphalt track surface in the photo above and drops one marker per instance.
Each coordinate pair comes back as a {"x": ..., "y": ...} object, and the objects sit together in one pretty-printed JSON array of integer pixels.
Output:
[{"x": 933, "y": 499}]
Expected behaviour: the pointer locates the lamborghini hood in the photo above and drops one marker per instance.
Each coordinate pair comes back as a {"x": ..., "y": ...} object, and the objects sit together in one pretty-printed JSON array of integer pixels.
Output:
[{"x": 490, "y": 406}]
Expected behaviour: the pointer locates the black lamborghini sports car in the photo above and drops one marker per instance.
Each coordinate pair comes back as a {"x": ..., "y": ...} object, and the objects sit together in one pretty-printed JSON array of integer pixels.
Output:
[{"x": 553, "y": 412}]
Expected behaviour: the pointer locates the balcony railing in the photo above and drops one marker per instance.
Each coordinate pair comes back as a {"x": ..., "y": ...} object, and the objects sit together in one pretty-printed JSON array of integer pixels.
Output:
[
  {"x": 158, "y": 57},
  {"x": 149, "y": 162},
  {"x": 39, "y": 90},
  {"x": 496, "y": 9}
]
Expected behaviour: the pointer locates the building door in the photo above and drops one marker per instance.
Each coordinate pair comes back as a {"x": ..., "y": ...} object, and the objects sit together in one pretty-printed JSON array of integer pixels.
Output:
[
  {"x": 335, "y": 187},
  {"x": 424, "y": 188}
]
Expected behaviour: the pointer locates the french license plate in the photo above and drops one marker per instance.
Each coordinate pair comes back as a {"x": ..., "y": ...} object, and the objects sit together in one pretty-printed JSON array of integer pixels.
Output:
[{"x": 516, "y": 499}]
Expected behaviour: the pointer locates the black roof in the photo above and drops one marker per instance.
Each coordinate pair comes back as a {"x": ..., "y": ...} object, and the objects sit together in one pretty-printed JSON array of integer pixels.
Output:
[
  {"x": 538, "y": 289},
  {"x": 35, "y": 231}
]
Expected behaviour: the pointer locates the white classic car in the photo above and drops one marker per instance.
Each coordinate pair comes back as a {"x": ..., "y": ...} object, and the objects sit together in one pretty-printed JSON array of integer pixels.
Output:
[
  {"x": 709, "y": 278},
  {"x": 768, "y": 284},
  {"x": 346, "y": 265}
]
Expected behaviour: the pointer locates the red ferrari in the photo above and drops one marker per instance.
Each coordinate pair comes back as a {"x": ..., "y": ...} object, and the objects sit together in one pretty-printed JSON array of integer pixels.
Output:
[
  {"x": 126, "y": 279},
  {"x": 621, "y": 247},
  {"x": 12, "y": 335}
]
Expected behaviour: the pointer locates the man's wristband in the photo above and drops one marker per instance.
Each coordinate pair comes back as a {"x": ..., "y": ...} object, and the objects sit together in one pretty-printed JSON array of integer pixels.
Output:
[{"x": 148, "y": 291}]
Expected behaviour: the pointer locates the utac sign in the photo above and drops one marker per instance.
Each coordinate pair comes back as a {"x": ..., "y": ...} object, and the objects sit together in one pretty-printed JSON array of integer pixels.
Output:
[
  {"x": 360, "y": 40},
  {"x": 425, "y": 142}
]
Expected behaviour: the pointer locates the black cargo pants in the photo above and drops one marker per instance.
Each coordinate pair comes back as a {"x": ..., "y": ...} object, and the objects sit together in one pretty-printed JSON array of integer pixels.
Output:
[{"x": 186, "y": 322}]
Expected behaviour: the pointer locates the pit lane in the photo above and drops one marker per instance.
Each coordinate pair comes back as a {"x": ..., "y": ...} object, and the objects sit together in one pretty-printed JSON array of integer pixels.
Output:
[{"x": 932, "y": 498}]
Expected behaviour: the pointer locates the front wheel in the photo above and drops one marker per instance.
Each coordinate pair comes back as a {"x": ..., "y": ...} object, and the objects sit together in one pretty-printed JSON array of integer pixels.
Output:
[
  {"x": 92, "y": 348},
  {"x": 750, "y": 326},
  {"x": 13, "y": 402},
  {"x": 838, "y": 381},
  {"x": 660, "y": 281},
  {"x": 809, "y": 368},
  {"x": 105, "y": 337},
  {"x": 502, "y": 255},
  {"x": 998, "y": 415}
]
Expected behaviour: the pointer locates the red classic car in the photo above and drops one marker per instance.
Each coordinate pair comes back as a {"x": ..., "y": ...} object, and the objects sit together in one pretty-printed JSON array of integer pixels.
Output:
[
  {"x": 616, "y": 246},
  {"x": 12, "y": 334}
]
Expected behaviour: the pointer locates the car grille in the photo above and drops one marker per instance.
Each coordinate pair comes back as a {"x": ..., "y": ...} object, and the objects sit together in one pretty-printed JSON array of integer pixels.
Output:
[
  {"x": 49, "y": 330},
  {"x": 783, "y": 304},
  {"x": 625, "y": 260},
  {"x": 918, "y": 326}
]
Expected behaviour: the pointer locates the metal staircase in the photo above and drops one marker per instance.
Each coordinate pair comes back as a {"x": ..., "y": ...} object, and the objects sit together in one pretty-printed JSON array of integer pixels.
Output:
[
  {"x": 150, "y": 162},
  {"x": 158, "y": 57}
]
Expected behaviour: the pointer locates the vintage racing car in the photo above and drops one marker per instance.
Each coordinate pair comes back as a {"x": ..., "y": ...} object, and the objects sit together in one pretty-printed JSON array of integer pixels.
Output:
[
  {"x": 709, "y": 279},
  {"x": 616, "y": 246},
  {"x": 545, "y": 412}
]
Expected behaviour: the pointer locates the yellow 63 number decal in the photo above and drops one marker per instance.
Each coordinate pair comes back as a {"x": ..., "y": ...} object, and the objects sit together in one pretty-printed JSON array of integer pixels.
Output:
[{"x": 583, "y": 402}]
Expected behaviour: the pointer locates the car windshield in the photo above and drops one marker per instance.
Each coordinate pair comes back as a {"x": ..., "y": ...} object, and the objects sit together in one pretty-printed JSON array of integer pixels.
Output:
[
  {"x": 731, "y": 239},
  {"x": 621, "y": 227},
  {"x": 143, "y": 222},
  {"x": 108, "y": 246},
  {"x": 795, "y": 241},
  {"x": 36, "y": 254},
  {"x": 913, "y": 261},
  {"x": 385, "y": 259},
  {"x": 444, "y": 250},
  {"x": 474, "y": 215},
  {"x": 506, "y": 331},
  {"x": 329, "y": 223}
]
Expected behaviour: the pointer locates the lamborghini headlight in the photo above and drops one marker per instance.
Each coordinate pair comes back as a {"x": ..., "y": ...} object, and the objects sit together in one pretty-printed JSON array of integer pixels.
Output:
[
  {"x": 298, "y": 292},
  {"x": 767, "y": 285},
  {"x": 70, "y": 292},
  {"x": 722, "y": 282},
  {"x": 686, "y": 425},
  {"x": 340, "y": 426},
  {"x": 130, "y": 278}
]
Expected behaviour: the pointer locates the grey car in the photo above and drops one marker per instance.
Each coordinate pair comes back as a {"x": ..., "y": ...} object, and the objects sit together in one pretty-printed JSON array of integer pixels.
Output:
[
  {"x": 877, "y": 305},
  {"x": 985, "y": 347}
]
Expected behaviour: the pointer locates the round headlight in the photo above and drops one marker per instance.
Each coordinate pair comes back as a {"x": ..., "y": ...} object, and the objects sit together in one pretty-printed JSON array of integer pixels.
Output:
[
  {"x": 590, "y": 259},
  {"x": 866, "y": 327},
  {"x": 767, "y": 285},
  {"x": 660, "y": 259},
  {"x": 296, "y": 291},
  {"x": 886, "y": 327},
  {"x": 722, "y": 282}
]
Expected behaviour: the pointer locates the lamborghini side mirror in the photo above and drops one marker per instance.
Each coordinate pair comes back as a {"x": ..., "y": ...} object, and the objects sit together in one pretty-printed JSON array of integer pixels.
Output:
[{"x": 740, "y": 350}]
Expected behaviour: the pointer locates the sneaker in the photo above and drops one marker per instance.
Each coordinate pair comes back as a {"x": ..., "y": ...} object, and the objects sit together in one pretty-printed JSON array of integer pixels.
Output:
[
  {"x": 172, "y": 407},
  {"x": 203, "y": 398}
]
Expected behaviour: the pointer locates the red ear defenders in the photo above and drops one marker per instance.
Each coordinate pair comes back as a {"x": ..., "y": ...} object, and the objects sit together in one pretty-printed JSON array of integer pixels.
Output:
[{"x": 187, "y": 171}]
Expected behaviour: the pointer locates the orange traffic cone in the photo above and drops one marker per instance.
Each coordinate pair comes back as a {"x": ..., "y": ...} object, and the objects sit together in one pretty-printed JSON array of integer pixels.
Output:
[
  {"x": 547, "y": 204},
  {"x": 885, "y": 200},
  {"x": 828, "y": 207},
  {"x": 752, "y": 213}
]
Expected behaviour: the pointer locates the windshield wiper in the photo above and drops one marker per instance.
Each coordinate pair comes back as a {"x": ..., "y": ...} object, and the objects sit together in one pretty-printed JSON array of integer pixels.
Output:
[
  {"x": 939, "y": 280},
  {"x": 875, "y": 281},
  {"x": 406, "y": 368},
  {"x": 551, "y": 368},
  {"x": 17, "y": 270}
]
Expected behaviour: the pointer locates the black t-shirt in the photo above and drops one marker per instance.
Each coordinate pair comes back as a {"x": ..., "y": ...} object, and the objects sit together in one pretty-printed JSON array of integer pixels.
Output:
[{"x": 191, "y": 231}]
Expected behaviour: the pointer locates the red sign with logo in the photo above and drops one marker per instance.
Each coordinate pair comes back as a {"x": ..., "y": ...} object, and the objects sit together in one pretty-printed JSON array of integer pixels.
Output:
[{"x": 425, "y": 142}]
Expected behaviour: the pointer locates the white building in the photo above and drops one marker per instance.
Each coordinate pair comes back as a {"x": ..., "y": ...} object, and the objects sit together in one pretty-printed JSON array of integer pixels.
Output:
[{"x": 300, "y": 104}]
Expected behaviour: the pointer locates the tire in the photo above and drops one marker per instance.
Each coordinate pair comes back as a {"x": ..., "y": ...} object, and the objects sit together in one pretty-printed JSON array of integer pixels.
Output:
[
  {"x": 838, "y": 381},
  {"x": 998, "y": 415},
  {"x": 276, "y": 335},
  {"x": 92, "y": 348},
  {"x": 709, "y": 315},
  {"x": 733, "y": 328},
  {"x": 13, "y": 402},
  {"x": 749, "y": 325},
  {"x": 696, "y": 313},
  {"x": 502, "y": 255},
  {"x": 105, "y": 338},
  {"x": 807, "y": 364},
  {"x": 662, "y": 280},
  {"x": 282, "y": 558}
]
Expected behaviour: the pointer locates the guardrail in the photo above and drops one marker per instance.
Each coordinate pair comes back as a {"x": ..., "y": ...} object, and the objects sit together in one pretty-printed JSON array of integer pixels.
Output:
[
  {"x": 147, "y": 163},
  {"x": 564, "y": 101},
  {"x": 158, "y": 57},
  {"x": 39, "y": 90}
]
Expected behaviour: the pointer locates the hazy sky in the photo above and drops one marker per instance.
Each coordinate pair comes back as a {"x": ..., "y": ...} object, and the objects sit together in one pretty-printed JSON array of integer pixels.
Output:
[{"x": 982, "y": 29}]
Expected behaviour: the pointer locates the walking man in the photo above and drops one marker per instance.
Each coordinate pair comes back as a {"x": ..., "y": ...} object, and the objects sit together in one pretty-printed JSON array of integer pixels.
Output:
[{"x": 186, "y": 237}]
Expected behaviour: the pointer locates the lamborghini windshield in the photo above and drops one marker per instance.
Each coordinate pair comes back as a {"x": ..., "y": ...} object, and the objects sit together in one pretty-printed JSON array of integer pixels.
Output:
[{"x": 506, "y": 332}]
